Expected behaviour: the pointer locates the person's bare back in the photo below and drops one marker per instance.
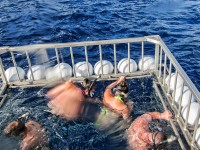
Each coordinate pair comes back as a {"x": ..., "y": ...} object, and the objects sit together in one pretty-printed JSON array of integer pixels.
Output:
[
  {"x": 66, "y": 100},
  {"x": 138, "y": 134},
  {"x": 34, "y": 136}
]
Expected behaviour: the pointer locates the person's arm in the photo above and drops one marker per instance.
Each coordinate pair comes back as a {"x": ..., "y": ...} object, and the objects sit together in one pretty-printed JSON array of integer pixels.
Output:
[
  {"x": 166, "y": 115},
  {"x": 126, "y": 113},
  {"x": 112, "y": 85}
]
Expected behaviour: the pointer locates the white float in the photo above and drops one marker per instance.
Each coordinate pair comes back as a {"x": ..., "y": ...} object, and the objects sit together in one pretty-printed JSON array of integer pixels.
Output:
[
  {"x": 50, "y": 73},
  {"x": 11, "y": 74},
  {"x": 148, "y": 63},
  {"x": 197, "y": 137},
  {"x": 63, "y": 70},
  {"x": 107, "y": 67},
  {"x": 59, "y": 71},
  {"x": 179, "y": 82},
  {"x": 123, "y": 65},
  {"x": 38, "y": 72},
  {"x": 82, "y": 70},
  {"x": 186, "y": 96},
  {"x": 192, "y": 118}
]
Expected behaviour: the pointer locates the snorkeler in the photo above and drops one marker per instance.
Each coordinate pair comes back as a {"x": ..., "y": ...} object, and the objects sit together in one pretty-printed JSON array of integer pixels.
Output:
[
  {"x": 67, "y": 98},
  {"x": 34, "y": 137},
  {"x": 116, "y": 102},
  {"x": 138, "y": 134}
]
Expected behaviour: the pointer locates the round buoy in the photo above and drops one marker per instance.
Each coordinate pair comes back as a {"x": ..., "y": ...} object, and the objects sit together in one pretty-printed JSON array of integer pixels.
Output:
[
  {"x": 50, "y": 73},
  {"x": 63, "y": 70},
  {"x": 82, "y": 70},
  {"x": 107, "y": 67},
  {"x": 179, "y": 82},
  {"x": 193, "y": 112},
  {"x": 11, "y": 74},
  {"x": 186, "y": 96},
  {"x": 59, "y": 71},
  {"x": 197, "y": 137},
  {"x": 123, "y": 65},
  {"x": 38, "y": 72},
  {"x": 148, "y": 63}
]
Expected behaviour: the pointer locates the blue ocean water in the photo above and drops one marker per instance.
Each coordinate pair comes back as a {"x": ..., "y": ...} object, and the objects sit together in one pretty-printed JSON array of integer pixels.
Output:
[
  {"x": 25, "y": 22},
  {"x": 46, "y": 21}
]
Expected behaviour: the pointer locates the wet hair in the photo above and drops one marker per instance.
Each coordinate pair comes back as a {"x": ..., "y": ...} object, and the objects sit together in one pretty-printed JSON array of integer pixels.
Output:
[
  {"x": 15, "y": 128},
  {"x": 158, "y": 137},
  {"x": 86, "y": 83},
  {"x": 123, "y": 87}
]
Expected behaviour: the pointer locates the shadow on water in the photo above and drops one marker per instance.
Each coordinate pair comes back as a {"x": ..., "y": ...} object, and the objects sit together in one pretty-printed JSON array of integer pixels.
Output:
[{"x": 79, "y": 134}]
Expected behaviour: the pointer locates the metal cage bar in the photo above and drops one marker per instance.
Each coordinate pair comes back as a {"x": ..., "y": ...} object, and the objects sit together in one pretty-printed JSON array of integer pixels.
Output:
[
  {"x": 72, "y": 59},
  {"x": 86, "y": 58},
  {"x": 115, "y": 58},
  {"x": 160, "y": 50},
  {"x": 15, "y": 65},
  {"x": 30, "y": 66}
]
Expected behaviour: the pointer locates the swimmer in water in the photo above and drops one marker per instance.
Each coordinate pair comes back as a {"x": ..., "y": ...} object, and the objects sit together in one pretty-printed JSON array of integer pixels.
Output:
[
  {"x": 116, "y": 102},
  {"x": 34, "y": 137},
  {"x": 67, "y": 98},
  {"x": 138, "y": 134}
]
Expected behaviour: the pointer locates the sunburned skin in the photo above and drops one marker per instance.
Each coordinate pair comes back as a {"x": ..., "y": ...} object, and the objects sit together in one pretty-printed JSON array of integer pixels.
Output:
[
  {"x": 34, "y": 136},
  {"x": 111, "y": 102},
  {"x": 66, "y": 100},
  {"x": 138, "y": 134}
]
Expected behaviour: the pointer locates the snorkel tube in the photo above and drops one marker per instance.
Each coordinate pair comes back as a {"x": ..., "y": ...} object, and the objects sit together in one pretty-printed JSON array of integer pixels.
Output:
[
  {"x": 168, "y": 140},
  {"x": 91, "y": 85}
]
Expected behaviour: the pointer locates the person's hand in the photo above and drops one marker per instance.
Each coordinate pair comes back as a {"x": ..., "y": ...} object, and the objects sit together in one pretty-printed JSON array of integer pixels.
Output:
[
  {"x": 166, "y": 115},
  {"x": 121, "y": 78}
]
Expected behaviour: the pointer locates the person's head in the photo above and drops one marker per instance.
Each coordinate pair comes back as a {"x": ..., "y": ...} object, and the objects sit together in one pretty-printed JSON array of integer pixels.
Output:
[
  {"x": 88, "y": 86},
  {"x": 15, "y": 128},
  {"x": 122, "y": 89},
  {"x": 158, "y": 137}
]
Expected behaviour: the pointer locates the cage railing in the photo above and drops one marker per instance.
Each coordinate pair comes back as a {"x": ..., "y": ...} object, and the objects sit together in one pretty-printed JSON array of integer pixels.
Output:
[{"x": 165, "y": 65}]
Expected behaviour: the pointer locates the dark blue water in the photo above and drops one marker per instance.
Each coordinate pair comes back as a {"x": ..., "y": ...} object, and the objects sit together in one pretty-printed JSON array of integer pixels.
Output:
[
  {"x": 78, "y": 135},
  {"x": 47, "y": 21},
  {"x": 25, "y": 22}
]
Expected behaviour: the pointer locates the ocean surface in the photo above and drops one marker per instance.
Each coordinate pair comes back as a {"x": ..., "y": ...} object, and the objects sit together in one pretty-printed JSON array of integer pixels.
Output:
[{"x": 24, "y": 22}]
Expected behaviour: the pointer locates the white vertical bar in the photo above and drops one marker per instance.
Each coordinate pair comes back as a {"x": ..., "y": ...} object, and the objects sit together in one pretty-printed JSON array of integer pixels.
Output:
[
  {"x": 164, "y": 74},
  {"x": 86, "y": 58},
  {"x": 129, "y": 57},
  {"x": 115, "y": 58},
  {"x": 160, "y": 67},
  {"x": 15, "y": 65},
  {"x": 72, "y": 58},
  {"x": 100, "y": 52},
  {"x": 30, "y": 66},
  {"x": 142, "y": 55}
]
